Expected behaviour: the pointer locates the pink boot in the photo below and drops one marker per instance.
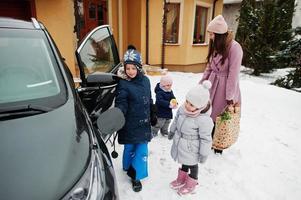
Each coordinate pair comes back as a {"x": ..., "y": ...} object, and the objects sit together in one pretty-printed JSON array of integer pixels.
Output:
[
  {"x": 188, "y": 187},
  {"x": 180, "y": 181}
]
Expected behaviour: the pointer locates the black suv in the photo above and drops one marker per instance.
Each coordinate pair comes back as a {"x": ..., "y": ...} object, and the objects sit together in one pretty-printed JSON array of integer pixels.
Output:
[{"x": 52, "y": 135}]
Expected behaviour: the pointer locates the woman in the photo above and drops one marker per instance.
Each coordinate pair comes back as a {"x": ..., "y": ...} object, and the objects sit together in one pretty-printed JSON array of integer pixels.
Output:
[{"x": 223, "y": 66}]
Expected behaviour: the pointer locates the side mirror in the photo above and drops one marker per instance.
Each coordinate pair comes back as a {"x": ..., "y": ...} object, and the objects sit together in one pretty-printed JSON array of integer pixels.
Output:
[
  {"x": 99, "y": 80},
  {"x": 102, "y": 78},
  {"x": 110, "y": 121}
]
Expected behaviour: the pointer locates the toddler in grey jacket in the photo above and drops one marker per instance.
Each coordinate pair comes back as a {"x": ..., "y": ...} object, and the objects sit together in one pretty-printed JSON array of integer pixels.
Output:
[{"x": 191, "y": 134}]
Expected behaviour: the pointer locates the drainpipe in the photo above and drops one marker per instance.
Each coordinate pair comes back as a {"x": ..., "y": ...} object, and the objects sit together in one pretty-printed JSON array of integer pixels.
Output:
[
  {"x": 163, "y": 36},
  {"x": 213, "y": 10},
  {"x": 147, "y": 31}
]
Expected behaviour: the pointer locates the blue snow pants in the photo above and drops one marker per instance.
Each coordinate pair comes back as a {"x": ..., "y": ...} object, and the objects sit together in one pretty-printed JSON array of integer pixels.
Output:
[{"x": 135, "y": 155}]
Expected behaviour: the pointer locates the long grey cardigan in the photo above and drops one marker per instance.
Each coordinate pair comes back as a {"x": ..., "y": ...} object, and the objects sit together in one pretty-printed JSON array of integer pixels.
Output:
[{"x": 191, "y": 137}]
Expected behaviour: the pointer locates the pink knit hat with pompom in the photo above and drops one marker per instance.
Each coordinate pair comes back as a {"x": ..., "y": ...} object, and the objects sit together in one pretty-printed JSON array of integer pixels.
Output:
[{"x": 218, "y": 25}]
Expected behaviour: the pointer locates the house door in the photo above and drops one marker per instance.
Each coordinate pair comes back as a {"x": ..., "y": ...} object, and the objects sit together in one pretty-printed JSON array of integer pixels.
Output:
[
  {"x": 17, "y": 9},
  {"x": 95, "y": 14}
]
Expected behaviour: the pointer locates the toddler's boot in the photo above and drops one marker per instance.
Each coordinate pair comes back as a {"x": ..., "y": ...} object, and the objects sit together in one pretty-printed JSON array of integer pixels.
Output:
[
  {"x": 180, "y": 181},
  {"x": 189, "y": 186}
]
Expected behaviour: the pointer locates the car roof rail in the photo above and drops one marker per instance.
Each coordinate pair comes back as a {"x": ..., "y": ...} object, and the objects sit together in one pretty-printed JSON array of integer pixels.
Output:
[{"x": 36, "y": 24}]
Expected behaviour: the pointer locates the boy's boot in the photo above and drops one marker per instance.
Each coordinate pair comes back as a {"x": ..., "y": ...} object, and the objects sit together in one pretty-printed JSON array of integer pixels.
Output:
[
  {"x": 180, "y": 181},
  {"x": 189, "y": 186},
  {"x": 137, "y": 186}
]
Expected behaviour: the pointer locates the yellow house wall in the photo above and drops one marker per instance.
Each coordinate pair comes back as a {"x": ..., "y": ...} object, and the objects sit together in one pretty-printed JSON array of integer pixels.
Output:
[
  {"x": 180, "y": 54},
  {"x": 183, "y": 55},
  {"x": 219, "y": 7},
  {"x": 143, "y": 30},
  {"x": 134, "y": 23},
  {"x": 155, "y": 31},
  {"x": 133, "y": 27},
  {"x": 124, "y": 25},
  {"x": 194, "y": 53},
  {"x": 114, "y": 22},
  {"x": 58, "y": 17},
  {"x": 198, "y": 54}
]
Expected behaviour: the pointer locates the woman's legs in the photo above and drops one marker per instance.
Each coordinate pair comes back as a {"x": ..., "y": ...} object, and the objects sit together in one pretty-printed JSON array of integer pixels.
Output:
[
  {"x": 215, "y": 150},
  {"x": 212, "y": 133}
]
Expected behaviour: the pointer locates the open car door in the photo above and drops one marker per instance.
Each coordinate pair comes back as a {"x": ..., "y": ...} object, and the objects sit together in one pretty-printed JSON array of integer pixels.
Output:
[{"x": 98, "y": 62}]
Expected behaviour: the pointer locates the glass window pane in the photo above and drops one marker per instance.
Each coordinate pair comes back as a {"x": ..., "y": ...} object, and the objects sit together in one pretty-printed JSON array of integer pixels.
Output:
[
  {"x": 81, "y": 14},
  {"x": 27, "y": 69},
  {"x": 100, "y": 13},
  {"x": 203, "y": 20},
  {"x": 97, "y": 54},
  {"x": 200, "y": 25},
  {"x": 172, "y": 22},
  {"x": 92, "y": 11}
]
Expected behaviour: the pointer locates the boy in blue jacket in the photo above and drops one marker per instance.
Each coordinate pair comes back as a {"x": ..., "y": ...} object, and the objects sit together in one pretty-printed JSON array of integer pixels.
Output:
[
  {"x": 134, "y": 99},
  {"x": 165, "y": 102}
]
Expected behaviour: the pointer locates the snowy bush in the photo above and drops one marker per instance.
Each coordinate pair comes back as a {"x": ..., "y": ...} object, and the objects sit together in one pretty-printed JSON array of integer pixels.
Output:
[{"x": 291, "y": 57}]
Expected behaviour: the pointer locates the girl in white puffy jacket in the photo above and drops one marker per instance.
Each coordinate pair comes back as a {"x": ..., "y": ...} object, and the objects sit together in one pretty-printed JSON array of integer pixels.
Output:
[{"x": 191, "y": 134}]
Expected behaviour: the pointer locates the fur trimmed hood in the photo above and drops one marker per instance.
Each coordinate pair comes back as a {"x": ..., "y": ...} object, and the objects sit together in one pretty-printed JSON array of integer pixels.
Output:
[{"x": 121, "y": 73}]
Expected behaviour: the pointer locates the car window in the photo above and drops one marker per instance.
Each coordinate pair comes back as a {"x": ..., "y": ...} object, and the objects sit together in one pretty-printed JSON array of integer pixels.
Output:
[
  {"x": 96, "y": 54},
  {"x": 27, "y": 66}
]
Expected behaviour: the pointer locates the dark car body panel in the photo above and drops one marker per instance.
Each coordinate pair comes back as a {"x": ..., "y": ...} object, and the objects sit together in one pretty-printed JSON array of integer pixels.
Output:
[
  {"x": 44, "y": 155},
  {"x": 50, "y": 156}
]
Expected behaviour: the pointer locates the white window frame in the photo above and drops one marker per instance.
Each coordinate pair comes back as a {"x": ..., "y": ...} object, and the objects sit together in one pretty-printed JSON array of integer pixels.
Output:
[
  {"x": 206, "y": 5},
  {"x": 180, "y": 22}
]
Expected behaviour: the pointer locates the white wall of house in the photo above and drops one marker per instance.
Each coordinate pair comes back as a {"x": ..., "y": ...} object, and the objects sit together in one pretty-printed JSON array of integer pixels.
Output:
[{"x": 231, "y": 13}]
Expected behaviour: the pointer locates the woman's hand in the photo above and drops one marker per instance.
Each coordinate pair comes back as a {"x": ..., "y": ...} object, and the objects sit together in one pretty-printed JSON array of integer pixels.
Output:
[{"x": 230, "y": 102}]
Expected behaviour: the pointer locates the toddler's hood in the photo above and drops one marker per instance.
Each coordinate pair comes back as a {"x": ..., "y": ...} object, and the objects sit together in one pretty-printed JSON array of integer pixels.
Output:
[{"x": 159, "y": 89}]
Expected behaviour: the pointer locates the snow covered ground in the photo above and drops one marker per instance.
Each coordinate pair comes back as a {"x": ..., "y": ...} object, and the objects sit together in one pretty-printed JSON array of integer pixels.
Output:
[{"x": 264, "y": 164}]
